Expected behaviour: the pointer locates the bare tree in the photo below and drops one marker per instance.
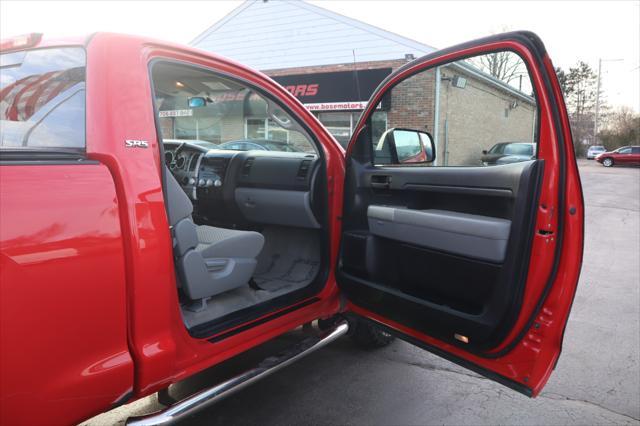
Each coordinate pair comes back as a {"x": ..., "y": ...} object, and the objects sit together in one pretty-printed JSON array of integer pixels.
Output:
[
  {"x": 505, "y": 66},
  {"x": 579, "y": 87},
  {"x": 623, "y": 129}
]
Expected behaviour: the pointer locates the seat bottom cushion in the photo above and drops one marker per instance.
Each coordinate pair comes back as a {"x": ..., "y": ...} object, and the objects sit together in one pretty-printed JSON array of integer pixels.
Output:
[{"x": 228, "y": 243}]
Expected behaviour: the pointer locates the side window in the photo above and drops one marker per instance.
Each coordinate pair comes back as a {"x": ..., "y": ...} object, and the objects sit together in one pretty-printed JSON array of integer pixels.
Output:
[
  {"x": 624, "y": 151},
  {"x": 635, "y": 150},
  {"x": 42, "y": 99},
  {"x": 200, "y": 106},
  {"x": 480, "y": 111}
]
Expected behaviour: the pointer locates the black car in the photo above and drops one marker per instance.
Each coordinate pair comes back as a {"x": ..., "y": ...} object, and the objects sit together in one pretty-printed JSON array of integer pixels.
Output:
[{"x": 508, "y": 152}]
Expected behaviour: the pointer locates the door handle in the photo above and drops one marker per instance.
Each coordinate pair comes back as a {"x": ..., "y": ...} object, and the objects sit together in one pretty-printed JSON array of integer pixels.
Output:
[{"x": 381, "y": 181}]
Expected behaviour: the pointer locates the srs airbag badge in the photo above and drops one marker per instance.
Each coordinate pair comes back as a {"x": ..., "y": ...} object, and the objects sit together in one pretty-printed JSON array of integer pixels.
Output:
[{"x": 133, "y": 143}]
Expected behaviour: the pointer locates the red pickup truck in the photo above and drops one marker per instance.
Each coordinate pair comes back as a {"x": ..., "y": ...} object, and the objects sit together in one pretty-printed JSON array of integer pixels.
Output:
[{"x": 134, "y": 253}]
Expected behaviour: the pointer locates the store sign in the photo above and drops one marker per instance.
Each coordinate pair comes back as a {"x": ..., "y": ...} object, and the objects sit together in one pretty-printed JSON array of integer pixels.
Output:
[
  {"x": 336, "y": 106},
  {"x": 341, "y": 90}
]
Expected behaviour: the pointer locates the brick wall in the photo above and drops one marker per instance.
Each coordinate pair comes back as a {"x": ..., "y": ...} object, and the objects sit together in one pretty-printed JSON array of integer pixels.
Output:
[
  {"x": 412, "y": 103},
  {"x": 478, "y": 116}
]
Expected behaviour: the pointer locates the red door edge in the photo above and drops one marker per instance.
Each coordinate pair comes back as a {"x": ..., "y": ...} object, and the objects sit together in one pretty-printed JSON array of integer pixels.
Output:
[{"x": 526, "y": 358}]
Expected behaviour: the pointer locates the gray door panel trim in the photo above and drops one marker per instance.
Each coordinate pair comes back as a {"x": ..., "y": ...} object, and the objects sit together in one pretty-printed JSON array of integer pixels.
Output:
[{"x": 475, "y": 236}]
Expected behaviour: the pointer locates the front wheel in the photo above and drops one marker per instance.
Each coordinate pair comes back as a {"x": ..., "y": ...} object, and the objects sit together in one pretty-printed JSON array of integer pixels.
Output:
[
  {"x": 607, "y": 162},
  {"x": 368, "y": 336}
]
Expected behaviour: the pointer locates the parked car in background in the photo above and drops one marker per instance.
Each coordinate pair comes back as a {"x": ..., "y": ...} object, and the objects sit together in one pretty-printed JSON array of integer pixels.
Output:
[
  {"x": 508, "y": 152},
  {"x": 629, "y": 155},
  {"x": 258, "y": 144},
  {"x": 594, "y": 151}
]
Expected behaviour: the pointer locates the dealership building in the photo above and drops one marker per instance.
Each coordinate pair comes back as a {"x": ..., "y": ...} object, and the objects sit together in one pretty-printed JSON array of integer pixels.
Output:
[{"x": 333, "y": 63}]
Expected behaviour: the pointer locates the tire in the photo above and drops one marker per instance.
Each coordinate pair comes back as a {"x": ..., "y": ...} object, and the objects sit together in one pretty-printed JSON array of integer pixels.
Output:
[
  {"x": 326, "y": 324},
  {"x": 607, "y": 162},
  {"x": 368, "y": 336}
]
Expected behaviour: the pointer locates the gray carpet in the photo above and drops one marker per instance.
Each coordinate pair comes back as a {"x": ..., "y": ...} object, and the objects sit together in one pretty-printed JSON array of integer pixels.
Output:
[{"x": 290, "y": 260}]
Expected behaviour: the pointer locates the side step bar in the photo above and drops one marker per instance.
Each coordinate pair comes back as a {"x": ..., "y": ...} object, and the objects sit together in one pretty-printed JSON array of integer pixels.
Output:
[{"x": 207, "y": 397}]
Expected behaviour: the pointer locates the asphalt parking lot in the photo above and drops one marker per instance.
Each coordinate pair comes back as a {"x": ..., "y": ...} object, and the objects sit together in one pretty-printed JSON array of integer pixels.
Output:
[{"x": 597, "y": 380}]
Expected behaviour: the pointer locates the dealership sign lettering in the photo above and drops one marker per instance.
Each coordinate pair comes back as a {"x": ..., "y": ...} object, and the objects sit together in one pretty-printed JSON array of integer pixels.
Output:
[
  {"x": 303, "y": 89},
  {"x": 176, "y": 113},
  {"x": 335, "y": 106},
  {"x": 334, "y": 90}
]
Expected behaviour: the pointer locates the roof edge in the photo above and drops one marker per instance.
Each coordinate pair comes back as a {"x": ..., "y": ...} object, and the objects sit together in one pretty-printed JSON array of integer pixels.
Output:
[
  {"x": 409, "y": 42},
  {"x": 218, "y": 24}
]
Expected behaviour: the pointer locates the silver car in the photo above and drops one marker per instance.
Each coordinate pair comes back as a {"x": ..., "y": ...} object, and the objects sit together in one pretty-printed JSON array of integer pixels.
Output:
[{"x": 594, "y": 151}]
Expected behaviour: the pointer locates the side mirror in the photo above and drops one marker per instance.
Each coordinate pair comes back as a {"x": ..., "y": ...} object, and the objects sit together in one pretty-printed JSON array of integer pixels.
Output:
[
  {"x": 408, "y": 146},
  {"x": 197, "y": 102},
  {"x": 484, "y": 152}
]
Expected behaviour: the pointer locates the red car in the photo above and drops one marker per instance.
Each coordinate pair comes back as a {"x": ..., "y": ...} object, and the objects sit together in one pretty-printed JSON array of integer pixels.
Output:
[
  {"x": 130, "y": 261},
  {"x": 626, "y": 155}
]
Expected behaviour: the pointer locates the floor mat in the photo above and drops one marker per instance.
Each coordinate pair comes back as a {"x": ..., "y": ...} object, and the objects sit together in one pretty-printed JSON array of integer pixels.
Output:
[{"x": 290, "y": 260}]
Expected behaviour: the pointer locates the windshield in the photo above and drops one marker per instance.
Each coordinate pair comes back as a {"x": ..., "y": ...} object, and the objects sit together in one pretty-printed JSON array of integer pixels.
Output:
[
  {"x": 597, "y": 148},
  {"x": 199, "y": 105}
]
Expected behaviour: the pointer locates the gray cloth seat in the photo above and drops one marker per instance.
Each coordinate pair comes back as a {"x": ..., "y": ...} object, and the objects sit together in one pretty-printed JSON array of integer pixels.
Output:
[
  {"x": 222, "y": 242},
  {"x": 209, "y": 260}
]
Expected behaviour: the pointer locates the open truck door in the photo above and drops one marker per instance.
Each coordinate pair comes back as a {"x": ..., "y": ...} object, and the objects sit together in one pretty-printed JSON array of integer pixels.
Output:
[{"x": 477, "y": 263}]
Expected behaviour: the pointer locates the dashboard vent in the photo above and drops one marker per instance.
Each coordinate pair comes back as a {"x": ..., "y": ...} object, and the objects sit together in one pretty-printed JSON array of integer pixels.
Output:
[
  {"x": 246, "y": 167},
  {"x": 303, "y": 170}
]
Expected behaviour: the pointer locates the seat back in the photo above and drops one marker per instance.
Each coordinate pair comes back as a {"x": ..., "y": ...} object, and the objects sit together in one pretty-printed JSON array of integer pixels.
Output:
[{"x": 191, "y": 267}]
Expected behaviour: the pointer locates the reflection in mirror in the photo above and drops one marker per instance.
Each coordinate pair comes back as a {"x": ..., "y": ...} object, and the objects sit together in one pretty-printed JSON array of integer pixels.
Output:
[
  {"x": 481, "y": 111},
  {"x": 404, "y": 146}
]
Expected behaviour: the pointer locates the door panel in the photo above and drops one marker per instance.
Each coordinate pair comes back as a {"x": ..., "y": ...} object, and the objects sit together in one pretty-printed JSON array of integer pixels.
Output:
[
  {"x": 474, "y": 257},
  {"x": 441, "y": 246}
]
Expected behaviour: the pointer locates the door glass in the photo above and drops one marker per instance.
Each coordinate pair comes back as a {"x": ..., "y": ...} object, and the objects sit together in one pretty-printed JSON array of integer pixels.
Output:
[
  {"x": 202, "y": 107},
  {"x": 42, "y": 99},
  {"x": 480, "y": 111}
]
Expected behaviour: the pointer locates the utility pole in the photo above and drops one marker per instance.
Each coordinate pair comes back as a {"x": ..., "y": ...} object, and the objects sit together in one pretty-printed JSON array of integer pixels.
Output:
[{"x": 595, "y": 121}]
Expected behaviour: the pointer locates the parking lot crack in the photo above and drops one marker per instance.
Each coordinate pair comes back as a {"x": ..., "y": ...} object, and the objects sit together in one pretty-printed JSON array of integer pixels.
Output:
[
  {"x": 430, "y": 367},
  {"x": 611, "y": 207},
  {"x": 558, "y": 397}
]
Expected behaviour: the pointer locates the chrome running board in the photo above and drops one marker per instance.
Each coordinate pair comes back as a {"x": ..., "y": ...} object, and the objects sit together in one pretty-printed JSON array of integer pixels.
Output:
[{"x": 207, "y": 397}]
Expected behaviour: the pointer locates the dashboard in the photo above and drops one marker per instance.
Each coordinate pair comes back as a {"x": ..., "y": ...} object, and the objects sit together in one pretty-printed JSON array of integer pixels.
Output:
[{"x": 237, "y": 188}]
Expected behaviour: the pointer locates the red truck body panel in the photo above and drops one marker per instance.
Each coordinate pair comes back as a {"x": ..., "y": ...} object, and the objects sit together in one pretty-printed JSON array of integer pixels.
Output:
[
  {"x": 154, "y": 339},
  {"x": 87, "y": 261},
  {"x": 62, "y": 300}
]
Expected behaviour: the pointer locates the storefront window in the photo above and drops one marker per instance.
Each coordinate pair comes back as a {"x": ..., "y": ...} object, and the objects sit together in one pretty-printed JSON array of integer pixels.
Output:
[
  {"x": 341, "y": 124},
  {"x": 262, "y": 128},
  {"x": 338, "y": 124}
]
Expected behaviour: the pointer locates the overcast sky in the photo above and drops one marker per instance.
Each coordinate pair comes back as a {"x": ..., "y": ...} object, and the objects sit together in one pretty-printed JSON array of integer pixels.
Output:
[{"x": 571, "y": 30}]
